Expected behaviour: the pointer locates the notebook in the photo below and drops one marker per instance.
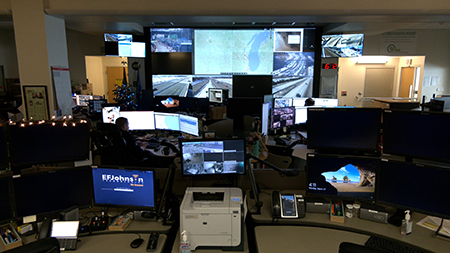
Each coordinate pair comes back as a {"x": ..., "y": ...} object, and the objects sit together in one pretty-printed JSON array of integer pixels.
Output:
[{"x": 66, "y": 232}]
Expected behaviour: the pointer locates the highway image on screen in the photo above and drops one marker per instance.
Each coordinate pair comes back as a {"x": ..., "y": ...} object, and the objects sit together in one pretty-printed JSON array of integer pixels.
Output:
[
  {"x": 233, "y": 51},
  {"x": 171, "y": 40},
  {"x": 190, "y": 86},
  {"x": 293, "y": 74}
]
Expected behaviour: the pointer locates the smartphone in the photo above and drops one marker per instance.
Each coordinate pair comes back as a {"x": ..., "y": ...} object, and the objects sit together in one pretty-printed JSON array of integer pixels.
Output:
[{"x": 288, "y": 205}]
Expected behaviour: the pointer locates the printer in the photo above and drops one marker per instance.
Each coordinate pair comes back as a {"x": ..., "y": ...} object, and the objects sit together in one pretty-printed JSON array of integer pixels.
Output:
[{"x": 213, "y": 217}]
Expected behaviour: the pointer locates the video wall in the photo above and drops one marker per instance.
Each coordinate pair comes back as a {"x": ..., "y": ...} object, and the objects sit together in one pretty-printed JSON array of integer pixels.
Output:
[{"x": 186, "y": 62}]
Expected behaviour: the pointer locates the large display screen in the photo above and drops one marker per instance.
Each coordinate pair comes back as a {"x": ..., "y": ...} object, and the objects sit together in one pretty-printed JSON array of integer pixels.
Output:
[
  {"x": 286, "y": 54},
  {"x": 342, "y": 45},
  {"x": 346, "y": 177},
  {"x": 213, "y": 157},
  {"x": 131, "y": 187}
]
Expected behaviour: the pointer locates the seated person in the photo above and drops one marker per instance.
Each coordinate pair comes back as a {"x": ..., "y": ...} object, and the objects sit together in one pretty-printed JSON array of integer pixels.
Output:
[{"x": 134, "y": 149}]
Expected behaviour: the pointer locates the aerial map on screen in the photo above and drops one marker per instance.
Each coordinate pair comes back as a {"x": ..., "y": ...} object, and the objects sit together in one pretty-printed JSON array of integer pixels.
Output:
[{"x": 233, "y": 51}]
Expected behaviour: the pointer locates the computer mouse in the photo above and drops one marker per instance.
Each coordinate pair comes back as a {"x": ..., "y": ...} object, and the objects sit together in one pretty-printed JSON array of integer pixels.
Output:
[{"x": 136, "y": 242}]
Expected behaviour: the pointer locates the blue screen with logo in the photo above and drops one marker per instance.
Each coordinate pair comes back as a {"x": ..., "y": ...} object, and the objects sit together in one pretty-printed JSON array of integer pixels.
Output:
[{"x": 124, "y": 187}]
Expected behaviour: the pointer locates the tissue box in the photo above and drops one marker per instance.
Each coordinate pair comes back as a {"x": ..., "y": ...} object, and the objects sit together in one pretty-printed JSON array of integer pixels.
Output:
[
  {"x": 337, "y": 212},
  {"x": 9, "y": 237}
]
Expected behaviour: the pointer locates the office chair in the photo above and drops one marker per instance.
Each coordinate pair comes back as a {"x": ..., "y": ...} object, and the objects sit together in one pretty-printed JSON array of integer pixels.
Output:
[
  {"x": 46, "y": 245},
  {"x": 110, "y": 144}
]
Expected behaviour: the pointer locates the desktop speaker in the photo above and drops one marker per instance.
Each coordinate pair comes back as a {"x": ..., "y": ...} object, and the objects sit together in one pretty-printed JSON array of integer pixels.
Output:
[
  {"x": 143, "y": 215},
  {"x": 317, "y": 206},
  {"x": 374, "y": 213}
]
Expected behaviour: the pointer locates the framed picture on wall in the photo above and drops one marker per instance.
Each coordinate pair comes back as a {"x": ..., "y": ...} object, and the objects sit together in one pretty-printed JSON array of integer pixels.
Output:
[{"x": 36, "y": 102}]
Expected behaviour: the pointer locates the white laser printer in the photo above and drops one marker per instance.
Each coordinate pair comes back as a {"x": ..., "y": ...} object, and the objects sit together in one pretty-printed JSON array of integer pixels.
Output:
[{"x": 213, "y": 217}]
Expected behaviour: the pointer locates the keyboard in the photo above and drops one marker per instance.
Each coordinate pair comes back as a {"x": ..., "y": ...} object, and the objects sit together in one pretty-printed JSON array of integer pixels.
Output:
[
  {"x": 67, "y": 244},
  {"x": 385, "y": 245},
  {"x": 153, "y": 145}
]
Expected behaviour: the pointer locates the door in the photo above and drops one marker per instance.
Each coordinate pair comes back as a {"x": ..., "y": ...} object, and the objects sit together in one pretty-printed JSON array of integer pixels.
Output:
[
  {"x": 114, "y": 77},
  {"x": 407, "y": 82}
]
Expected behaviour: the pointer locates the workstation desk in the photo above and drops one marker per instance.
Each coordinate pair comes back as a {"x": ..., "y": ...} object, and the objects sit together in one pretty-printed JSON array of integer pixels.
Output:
[
  {"x": 316, "y": 233},
  {"x": 119, "y": 241}
]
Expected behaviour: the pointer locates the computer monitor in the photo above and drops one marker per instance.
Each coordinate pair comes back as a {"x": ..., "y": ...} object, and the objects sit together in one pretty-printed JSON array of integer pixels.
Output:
[
  {"x": 139, "y": 120},
  {"x": 252, "y": 86},
  {"x": 167, "y": 121},
  {"x": 213, "y": 156},
  {"x": 265, "y": 118},
  {"x": 216, "y": 95},
  {"x": 282, "y": 117},
  {"x": 189, "y": 124},
  {"x": 298, "y": 102},
  {"x": 49, "y": 142},
  {"x": 110, "y": 112},
  {"x": 343, "y": 177},
  {"x": 417, "y": 187},
  {"x": 301, "y": 115},
  {"x": 52, "y": 191},
  {"x": 83, "y": 100},
  {"x": 282, "y": 102},
  {"x": 416, "y": 134},
  {"x": 95, "y": 106},
  {"x": 342, "y": 130},
  {"x": 124, "y": 187},
  {"x": 326, "y": 102},
  {"x": 6, "y": 211}
]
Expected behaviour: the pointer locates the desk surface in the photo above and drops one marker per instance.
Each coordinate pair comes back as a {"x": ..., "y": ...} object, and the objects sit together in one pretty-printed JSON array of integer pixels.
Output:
[{"x": 420, "y": 237}]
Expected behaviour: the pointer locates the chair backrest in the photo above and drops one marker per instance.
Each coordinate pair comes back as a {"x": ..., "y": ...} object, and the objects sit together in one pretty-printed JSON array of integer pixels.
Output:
[
  {"x": 282, "y": 162},
  {"x": 223, "y": 128}
]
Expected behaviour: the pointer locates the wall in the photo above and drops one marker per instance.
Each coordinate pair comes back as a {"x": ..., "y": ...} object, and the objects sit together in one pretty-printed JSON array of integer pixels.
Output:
[
  {"x": 430, "y": 43},
  {"x": 80, "y": 45},
  {"x": 8, "y": 54},
  {"x": 96, "y": 72}
]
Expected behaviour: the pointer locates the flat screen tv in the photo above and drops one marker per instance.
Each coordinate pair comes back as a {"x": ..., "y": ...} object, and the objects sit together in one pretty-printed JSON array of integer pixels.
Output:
[
  {"x": 213, "y": 156},
  {"x": 342, "y": 130},
  {"x": 124, "y": 187},
  {"x": 342, "y": 45},
  {"x": 416, "y": 134},
  {"x": 6, "y": 210},
  {"x": 413, "y": 186},
  {"x": 344, "y": 177},
  {"x": 52, "y": 191}
]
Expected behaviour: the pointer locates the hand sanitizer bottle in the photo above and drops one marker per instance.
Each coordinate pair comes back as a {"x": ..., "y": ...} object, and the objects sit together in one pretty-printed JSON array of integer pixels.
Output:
[
  {"x": 406, "y": 224},
  {"x": 184, "y": 246}
]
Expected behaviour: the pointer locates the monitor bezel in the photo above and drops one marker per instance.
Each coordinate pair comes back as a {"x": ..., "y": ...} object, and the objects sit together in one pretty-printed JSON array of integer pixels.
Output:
[
  {"x": 183, "y": 174},
  {"x": 7, "y": 179},
  {"x": 126, "y": 168}
]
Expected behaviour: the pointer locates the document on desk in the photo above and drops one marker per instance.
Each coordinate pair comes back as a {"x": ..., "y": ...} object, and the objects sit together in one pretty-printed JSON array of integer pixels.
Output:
[{"x": 433, "y": 223}]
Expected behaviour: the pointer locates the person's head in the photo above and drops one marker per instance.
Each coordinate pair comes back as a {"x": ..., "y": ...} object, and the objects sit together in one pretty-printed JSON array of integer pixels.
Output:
[
  {"x": 122, "y": 123},
  {"x": 309, "y": 102}
]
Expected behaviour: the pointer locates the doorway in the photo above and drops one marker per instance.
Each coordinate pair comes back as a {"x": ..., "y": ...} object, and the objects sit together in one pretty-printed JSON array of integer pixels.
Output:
[{"x": 408, "y": 76}]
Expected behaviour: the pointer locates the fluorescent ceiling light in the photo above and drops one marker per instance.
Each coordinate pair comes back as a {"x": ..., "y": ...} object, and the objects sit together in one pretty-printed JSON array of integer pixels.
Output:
[{"x": 372, "y": 60}]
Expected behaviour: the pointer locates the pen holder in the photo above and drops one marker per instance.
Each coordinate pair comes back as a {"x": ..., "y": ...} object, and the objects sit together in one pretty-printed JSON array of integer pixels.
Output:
[
  {"x": 337, "y": 212},
  {"x": 9, "y": 237}
]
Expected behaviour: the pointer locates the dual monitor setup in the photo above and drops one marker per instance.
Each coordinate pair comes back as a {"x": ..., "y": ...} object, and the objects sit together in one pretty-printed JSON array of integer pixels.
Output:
[
  {"x": 388, "y": 157},
  {"x": 151, "y": 120}
]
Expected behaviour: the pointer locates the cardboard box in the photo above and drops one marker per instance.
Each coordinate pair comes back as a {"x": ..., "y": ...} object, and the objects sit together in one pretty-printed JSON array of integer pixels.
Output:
[
  {"x": 217, "y": 112},
  {"x": 337, "y": 212},
  {"x": 6, "y": 233}
]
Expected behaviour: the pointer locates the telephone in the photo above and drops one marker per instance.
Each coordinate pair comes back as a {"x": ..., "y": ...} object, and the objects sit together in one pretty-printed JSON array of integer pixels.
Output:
[{"x": 288, "y": 205}]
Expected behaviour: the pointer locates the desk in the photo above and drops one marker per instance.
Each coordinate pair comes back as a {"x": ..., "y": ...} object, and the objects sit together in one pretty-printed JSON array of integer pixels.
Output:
[{"x": 319, "y": 231}]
